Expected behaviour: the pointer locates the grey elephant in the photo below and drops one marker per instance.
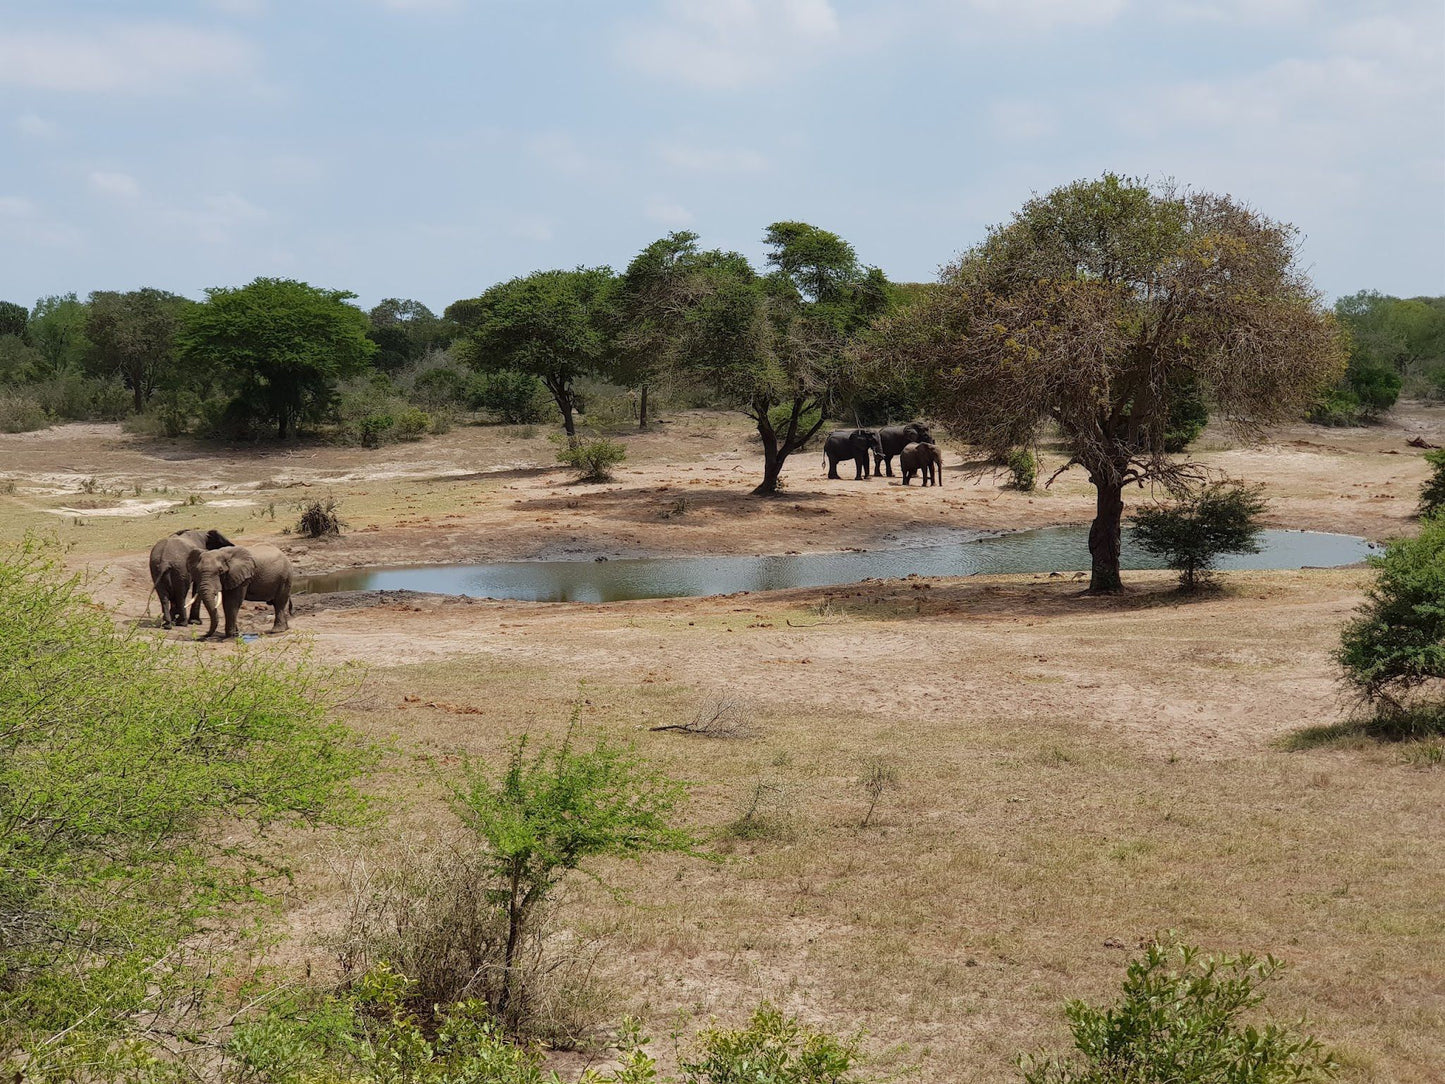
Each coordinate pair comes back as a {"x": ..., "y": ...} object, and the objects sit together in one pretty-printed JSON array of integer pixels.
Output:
[
  {"x": 242, "y": 574},
  {"x": 171, "y": 579},
  {"x": 894, "y": 438},
  {"x": 854, "y": 444},
  {"x": 922, "y": 458}
]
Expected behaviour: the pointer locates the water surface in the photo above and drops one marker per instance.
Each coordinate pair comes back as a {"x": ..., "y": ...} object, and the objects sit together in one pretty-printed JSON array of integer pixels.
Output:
[{"x": 1052, "y": 549}]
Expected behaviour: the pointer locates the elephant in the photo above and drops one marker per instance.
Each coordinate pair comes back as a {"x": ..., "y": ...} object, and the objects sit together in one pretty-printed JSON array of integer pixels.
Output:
[
  {"x": 922, "y": 458},
  {"x": 894, "y": 438},
  {"x": 242, "y": 574},
  {"x": 170, "y": 578},
  {"x": 854, "y": 444}
]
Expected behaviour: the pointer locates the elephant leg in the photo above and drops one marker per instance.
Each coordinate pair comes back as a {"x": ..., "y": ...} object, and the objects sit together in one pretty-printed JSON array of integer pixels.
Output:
[
  {"x": 281, "y": 603},
  {"x": 231, "y": 604},
  {"x": 859, "y": 467},
  {"x": 163, "y": 597},
  {"x": 832, "y": 467},
  {"x": 888, "y": 462}
]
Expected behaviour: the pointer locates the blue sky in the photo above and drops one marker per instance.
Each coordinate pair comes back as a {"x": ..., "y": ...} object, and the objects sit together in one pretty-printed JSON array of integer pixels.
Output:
[{"x": 428, "y": 148}]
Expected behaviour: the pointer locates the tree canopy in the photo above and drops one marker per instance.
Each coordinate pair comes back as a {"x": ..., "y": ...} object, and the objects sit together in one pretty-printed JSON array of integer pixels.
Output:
[
  {"x": 13, "y": 318},
  {"x": 555, "y": 325},
  {"x": 651, "y": 305},
  {"x": 404, "y": 331},
  {"x": 283, "y": 345},
  {"x": 56, "y": 329},
  {"x": 1096, "y": 307},
  {"x": 132, "y": 335}
]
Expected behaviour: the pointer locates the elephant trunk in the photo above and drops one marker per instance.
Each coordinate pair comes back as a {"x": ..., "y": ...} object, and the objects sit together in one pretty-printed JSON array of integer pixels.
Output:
[{"x": 206, "y": 588}]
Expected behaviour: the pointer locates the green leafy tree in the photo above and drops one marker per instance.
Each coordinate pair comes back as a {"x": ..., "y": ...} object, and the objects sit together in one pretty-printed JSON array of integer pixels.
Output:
[
  {"x": 1200, "y": 525},
  {"x": 1180, "y": 1018},
  {"x": 653, "y": 299},
  {"x": 1097, "y": 306},
  {"x": 13, "y": 319},
  {"x": 56, "y": 328},
  {"x": 128, "y": 775},
  {"x": 551, "y": 812},
  {"x": 405, "y": 331},
  {"x": 554, "y": 325},
  {"x": 777, "y": 346},
  {"x": 133, "y": 335},
  {"x": 1396, "y": 642},
  {"x": 1432, "y": 492},
  {"x": 283, "y": 345}
]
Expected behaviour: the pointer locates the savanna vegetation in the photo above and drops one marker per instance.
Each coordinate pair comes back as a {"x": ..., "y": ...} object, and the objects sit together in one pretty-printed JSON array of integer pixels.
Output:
[{"x": 891, "y": 831}]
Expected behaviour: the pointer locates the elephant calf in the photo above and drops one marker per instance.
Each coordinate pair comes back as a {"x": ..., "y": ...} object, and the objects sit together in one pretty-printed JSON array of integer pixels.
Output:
[
  {"x": 924, "y": 458},
  {"x": 171, "y": 579},
  {"x": 892, "y": 439},
  {"x": 242, "y": 574},
  {"x": 852, "y": 444}
]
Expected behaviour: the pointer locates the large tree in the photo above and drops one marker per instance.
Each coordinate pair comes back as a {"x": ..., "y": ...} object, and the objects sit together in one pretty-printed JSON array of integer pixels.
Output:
[
  {"x": 56, "y": 328},
  {"x": 556, "y": 325},
  {"x": 404, "y": 331},
  {"x": 283, "y": 345},
  {"x": 1095, "y": 308},
  {"x": 13, "y": 318},
  {"x": 776, "y": 345},
  {"x": 133, "y": 335},
  {"x": 652, "y": 302}
]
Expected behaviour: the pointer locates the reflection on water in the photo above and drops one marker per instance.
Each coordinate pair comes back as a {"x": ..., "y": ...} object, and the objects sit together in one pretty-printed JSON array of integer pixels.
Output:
[{"x": 1053, "y": 549}]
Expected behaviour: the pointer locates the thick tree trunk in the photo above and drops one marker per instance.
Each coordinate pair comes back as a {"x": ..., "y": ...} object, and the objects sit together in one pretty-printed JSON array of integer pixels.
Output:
[
  {"x": 1104, "y": 537},
  {"x": 642, "y": 408},
  {"x": 772, "y": 470},
  {"x": 281, "y": 426},
  {"x": 140, "y": 397}
]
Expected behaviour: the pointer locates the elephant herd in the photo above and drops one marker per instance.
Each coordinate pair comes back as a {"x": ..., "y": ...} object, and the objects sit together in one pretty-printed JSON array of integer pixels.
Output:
[
  {"x": 912, "y": 444},
  {"x": 205, "y": 564}
]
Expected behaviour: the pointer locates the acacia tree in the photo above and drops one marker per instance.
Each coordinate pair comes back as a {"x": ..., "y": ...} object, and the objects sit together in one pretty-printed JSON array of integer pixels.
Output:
[
  {"x": 133, "y": 335},
  {"x": 776, "y": 345},
  {"x": 1095, "y": 308},
  {"x": 405, "y": 330},
  {"x": 555, "y": 325},
  {"x": 283, "y": 344},
  {"x": 652, "y": 302}
]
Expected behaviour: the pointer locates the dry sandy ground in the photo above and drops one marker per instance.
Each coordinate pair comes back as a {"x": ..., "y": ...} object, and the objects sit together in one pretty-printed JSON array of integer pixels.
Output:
[{"x": 1074, "y": 773}]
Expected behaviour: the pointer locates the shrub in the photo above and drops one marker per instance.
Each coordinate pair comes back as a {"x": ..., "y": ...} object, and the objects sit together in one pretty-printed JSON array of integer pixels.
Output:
[
  {"x": 592, "y": 458},
  {"x": 1188, "y": 415},
  {"x": 1396, "y": 642},
  {"x": 320, "y": 518},
  {"x": 21, "y": 414},
  {"x": 1179, "y": 1019},
  {"x": 546, "y": 815},
  {"x": 511, "y": 397},
  {"x": 129, "y": 774},
  {"x": 775, "y": 1048},
  {"x": 440, "y": 387},
  {"x": 1023, "y": 468},
  {"x": 1194, "y": 531},
  {"x": 413, "y": 423},
  {"x": 75, "y": 397},
  {"x": 1376, "y": 388},
  {"x": 1339, "y": 406},
  {"x": 1432, "y": 493}
]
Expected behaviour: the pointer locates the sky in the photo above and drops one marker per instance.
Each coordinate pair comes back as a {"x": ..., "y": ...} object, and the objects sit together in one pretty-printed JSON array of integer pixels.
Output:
[{"x": 429, "y": 148}]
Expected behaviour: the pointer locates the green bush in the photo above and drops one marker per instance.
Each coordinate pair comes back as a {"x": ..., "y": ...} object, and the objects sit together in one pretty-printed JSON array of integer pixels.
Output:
[
  {"x": 21, "y": 414},
  {"x": 1338, "y": 407},
  {"x": 591, "y": 457},
  {"x": 511, "y": 397},
  {"x": 1192, "y": 532},
  {"x": 129, "y": 772},
  {"x": 1396, "y": 642},
  {"x": 1432, "y": 492},
  {"x": 1376, "y": 388},
  {"x": 1023, "y": 468},
  {"x": 774, "y": 1048},
  {"x": 413, "y": 423},
  {"x": 1180, "y": 1020},
  {"x": 442, "y": 386},
  {"x": 75, "y": 397},
  {"x": 1188, "y": 415}
]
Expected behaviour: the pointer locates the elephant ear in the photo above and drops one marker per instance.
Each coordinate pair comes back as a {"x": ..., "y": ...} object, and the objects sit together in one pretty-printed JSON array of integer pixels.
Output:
[
  {"x": 193, "y": 559},
  {"x": 238, "y": 569},
  {"x": 216, "y": 540}
]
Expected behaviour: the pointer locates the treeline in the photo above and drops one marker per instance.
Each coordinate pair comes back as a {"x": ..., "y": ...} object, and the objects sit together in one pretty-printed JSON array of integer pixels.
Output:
[
  {"x": 1396, "y": 345},
  {"x": 282, "y": 358}
]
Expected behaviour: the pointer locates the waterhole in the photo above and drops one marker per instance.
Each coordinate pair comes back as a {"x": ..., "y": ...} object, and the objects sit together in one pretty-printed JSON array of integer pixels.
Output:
[{"x": 1052, "y": 549}]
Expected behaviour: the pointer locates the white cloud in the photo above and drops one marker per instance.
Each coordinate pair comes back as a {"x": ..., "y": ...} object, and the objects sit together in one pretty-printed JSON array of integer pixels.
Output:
[
  {"x": 1023, "y": 122},
  {"x": 712, "y": 159},
  {"x": 532, "y": 228},
  {"x": 668, "y": 213},
  {"x": 423, "y": 5},
  {"x": 249, "y": 9},
  {"x": 119, "y": 185},
  {"x": 136, "y": 58},
  {"x": 561, "y": 154},
  {"x": 36, "y": 127},
  {"x": 724, "y": 44},
  {"x": 1040, "y": 14},
  {"x": 231, "y": 208},
  {"x": 16, "y": 207}
]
